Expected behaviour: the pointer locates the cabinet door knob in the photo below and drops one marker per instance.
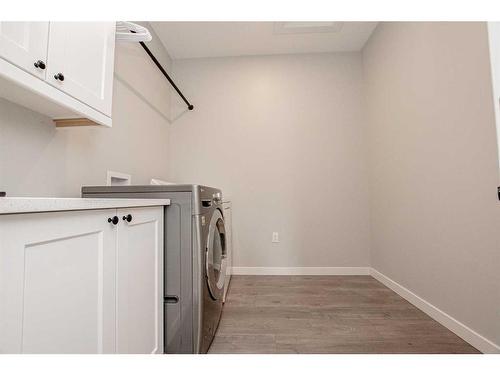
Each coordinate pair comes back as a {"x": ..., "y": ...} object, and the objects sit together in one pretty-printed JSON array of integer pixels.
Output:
[
  {"x": 113, "y": 220},
  {"x": 59, "y": 76},
  {"x": 39, "y": 64},
  {"x": 128, "y": 218}
]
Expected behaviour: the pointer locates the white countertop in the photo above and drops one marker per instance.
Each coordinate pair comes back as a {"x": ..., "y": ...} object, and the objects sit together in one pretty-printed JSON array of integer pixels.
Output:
[{"x": 16, "y": 205}]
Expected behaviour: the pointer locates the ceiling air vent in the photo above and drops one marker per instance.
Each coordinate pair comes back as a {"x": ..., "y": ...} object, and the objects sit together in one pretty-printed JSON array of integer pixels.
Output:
[{"x": 307, "y": 27}]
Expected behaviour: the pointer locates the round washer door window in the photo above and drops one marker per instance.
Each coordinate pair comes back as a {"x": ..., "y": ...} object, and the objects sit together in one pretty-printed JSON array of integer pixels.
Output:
[{"x": 216, "y": 255}]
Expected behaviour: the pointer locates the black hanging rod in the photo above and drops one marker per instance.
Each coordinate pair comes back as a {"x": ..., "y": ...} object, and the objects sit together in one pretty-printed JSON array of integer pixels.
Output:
[{"x": 157, "y": 63}]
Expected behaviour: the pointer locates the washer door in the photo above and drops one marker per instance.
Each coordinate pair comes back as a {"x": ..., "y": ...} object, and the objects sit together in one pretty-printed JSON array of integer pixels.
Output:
[{"x": 215, "y": 256}]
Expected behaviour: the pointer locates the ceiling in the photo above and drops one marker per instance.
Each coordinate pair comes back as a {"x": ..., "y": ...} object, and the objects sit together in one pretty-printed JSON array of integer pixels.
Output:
[{"x": 216, "y": 39}]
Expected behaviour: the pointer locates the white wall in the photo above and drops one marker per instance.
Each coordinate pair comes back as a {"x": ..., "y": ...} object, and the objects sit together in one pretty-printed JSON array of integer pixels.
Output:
[
  {"x": 283, "y": 137},
  {"x": 434, "y": 168},
  {"x": 36, "y": 159}
]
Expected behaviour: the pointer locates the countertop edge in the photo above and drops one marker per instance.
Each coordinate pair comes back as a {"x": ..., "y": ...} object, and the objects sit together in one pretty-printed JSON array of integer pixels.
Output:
[{"x": 25, "y": 205}]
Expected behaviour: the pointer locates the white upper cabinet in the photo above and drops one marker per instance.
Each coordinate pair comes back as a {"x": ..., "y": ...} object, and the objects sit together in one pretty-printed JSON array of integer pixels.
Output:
[
  {"x": 81, "y": 59},
  {"x": 25, "y": 45},
  {"x": 61, "y": 69}
]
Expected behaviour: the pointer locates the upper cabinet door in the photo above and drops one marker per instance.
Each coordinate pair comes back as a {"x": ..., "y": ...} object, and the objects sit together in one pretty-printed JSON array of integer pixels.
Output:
[
  {"x": 25, "y": 44},
  {"x": 81, "y": 59}
]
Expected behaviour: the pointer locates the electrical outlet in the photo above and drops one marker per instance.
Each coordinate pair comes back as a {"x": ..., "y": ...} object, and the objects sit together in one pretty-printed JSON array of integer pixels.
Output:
[{"x": 276, "y": 237}]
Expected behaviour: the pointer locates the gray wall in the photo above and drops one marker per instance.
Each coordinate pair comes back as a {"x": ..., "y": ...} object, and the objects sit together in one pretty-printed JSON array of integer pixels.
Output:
[
  {"x": 434, "y": 167},
  {"x": 284, "y": 138},
  {"x": 36, "y": 159}
]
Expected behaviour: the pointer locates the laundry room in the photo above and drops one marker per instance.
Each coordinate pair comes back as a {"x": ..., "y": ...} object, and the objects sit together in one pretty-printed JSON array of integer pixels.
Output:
[{"x": 249, "y": 185}]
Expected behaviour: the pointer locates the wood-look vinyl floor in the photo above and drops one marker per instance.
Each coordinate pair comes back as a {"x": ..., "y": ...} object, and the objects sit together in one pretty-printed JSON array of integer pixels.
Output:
[{"x": 326, "y": 314}]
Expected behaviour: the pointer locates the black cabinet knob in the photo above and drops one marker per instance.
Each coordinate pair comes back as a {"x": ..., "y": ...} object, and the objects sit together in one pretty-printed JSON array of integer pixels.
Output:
[
  {"x": 59, "y": 76},
  {"x": 39, "y": 64},
  {"x": 128, "y": 218},
  {"x": 113, "y": 220}
]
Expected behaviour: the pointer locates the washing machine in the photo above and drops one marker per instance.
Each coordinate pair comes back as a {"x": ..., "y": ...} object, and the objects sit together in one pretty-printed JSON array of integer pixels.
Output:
[{"x": 195, "y": 260}]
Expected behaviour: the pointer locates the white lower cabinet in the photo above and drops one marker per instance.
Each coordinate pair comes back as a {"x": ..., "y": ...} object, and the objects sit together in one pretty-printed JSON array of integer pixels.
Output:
[
  {"x": 72, "y": 282},
  {"x": 140, "y": 281}
]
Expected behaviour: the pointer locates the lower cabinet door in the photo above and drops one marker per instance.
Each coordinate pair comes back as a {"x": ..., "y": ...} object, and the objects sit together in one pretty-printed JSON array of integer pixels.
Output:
[
  {"x": 57, "y": 282},
  {"x": 140, "y": 281}
]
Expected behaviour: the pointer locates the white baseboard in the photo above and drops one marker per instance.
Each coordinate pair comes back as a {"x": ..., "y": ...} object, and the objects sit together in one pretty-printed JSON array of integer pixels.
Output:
[
  {"x": 472, "y": 337},
  {"x": 300, "y": 270}
]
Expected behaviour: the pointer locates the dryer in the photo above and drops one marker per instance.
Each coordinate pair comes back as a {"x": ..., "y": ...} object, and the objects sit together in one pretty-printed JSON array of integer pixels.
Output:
[{"x": 195, "y": 248}]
